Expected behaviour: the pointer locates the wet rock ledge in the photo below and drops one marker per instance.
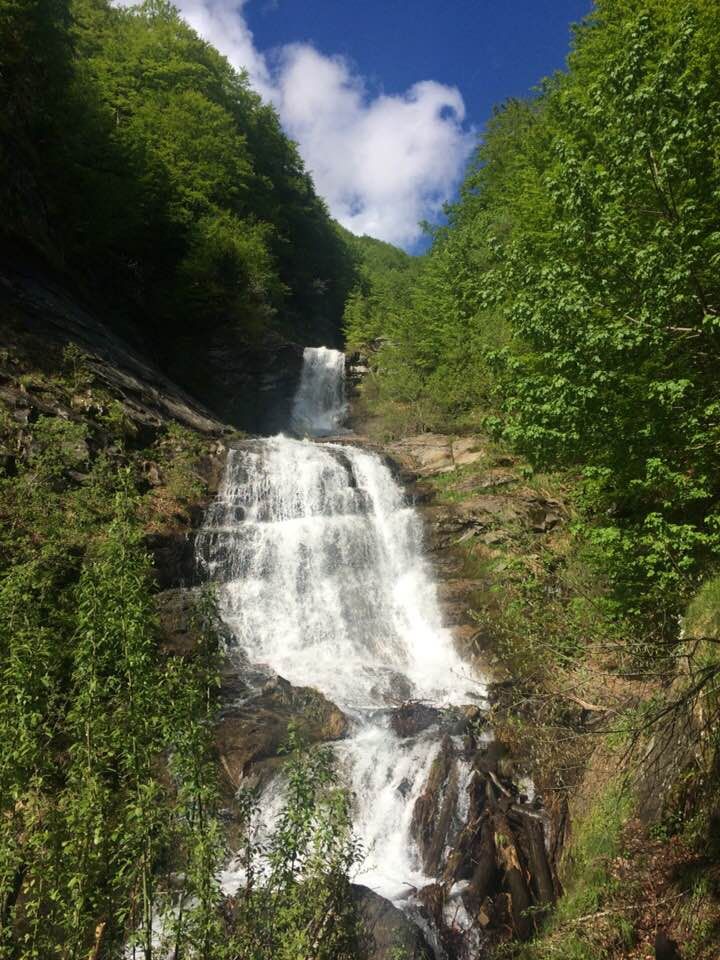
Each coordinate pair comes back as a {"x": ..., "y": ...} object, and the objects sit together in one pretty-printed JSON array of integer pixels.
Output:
[{"x": 493, "y": 863}]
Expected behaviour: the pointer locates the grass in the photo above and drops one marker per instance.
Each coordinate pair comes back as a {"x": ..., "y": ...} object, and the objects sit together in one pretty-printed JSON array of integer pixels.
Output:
[
  {"x": 702, "y": 618},
  {"x": 445, "y": 484},
  {"x": 585, "y": 926}
]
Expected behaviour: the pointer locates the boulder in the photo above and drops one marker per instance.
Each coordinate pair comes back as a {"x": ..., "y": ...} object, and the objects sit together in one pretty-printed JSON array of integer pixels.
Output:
[
  {"x": 543, "y": 514},
  {"x": 427, "y": 455},
  {"x": 254, "y": 727},
  {"x": 489, "y": 509},
  {"x": 249, "y": 383},
  {"x": 466, "y": 450},
  {"x": 451, "y": 523},
  {"x": 435, "y": 807},
  {"x": 412, "y": 717},
  {"x": 487, "y": 480},
  {"x": 432, "y": 898},
  {"x": 174, "y": 559},
  {"x": 357, "y": 367},
  {"x": 491, "y": 517},
  {"x": 430, "y": 454},
  {"x": 458, "y": 599},
  {"x": 461, "y": 588},
  {"x": 472, "y": 639},
  {"x": 385, "y": 931},
  {"x": 176, "y": 611}
]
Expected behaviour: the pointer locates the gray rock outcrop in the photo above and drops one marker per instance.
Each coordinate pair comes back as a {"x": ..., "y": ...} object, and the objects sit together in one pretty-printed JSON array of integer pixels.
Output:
[{"x": 385, "y": 931}]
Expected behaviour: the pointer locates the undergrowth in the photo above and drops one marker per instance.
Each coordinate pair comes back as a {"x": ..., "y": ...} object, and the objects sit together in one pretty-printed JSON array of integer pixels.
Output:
[
  {"x": 111, "y": 833},
  {"x": 584, "y": 926}
]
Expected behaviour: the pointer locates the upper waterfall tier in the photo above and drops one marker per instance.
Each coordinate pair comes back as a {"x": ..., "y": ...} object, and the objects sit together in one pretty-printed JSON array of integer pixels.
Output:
[{"x": 319, "y": 408}]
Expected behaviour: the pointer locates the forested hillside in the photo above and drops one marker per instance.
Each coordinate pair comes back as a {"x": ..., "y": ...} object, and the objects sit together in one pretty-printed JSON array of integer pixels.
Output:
[
  {"x": 570, "y": 311},
  {"x": 386, "y": 279},
  {"x": 145, "y": 169}
]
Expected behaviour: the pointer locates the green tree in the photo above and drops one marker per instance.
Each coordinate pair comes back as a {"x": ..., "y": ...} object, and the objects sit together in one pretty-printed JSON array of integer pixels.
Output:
[{"x": 573, "y": 296}]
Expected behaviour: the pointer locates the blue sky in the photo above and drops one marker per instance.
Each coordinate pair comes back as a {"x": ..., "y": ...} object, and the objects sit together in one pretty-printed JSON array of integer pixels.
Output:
[
  {"x": 386, "y": 98},
  {"x": 489, "y": 49}
]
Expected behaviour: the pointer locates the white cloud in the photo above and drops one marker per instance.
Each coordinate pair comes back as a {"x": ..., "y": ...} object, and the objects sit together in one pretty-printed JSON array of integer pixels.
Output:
[{"x": 382, "y": 163}]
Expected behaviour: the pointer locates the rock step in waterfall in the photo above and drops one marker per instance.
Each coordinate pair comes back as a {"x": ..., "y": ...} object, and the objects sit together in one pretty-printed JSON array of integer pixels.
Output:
[{"x": 323, "y": 582}]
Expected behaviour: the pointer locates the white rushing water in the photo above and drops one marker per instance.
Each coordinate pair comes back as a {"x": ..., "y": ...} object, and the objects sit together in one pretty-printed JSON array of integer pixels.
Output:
[
  {"x": 319, "y": 407},
  {"x": 323, "y": 581}
]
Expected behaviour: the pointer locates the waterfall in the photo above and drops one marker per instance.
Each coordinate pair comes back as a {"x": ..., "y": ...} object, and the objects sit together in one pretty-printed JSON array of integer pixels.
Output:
[
  {"x": 322, "y": 579},
  {"x": 319, "y": 407}
]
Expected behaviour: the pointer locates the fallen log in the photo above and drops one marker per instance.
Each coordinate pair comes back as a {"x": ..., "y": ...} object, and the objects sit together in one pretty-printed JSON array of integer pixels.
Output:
[{"x": 513, "y": 877}]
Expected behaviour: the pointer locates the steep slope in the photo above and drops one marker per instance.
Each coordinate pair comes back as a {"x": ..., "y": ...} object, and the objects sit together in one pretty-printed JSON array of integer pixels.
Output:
[{"x": 154, "y": 180}]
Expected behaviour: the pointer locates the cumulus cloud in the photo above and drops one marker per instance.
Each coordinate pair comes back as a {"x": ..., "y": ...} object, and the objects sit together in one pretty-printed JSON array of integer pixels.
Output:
[{"x": 382, "y": 163}]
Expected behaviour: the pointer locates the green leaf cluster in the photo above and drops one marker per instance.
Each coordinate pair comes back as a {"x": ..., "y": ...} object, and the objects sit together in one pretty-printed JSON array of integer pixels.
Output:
[{"x": 88, "y": 707}]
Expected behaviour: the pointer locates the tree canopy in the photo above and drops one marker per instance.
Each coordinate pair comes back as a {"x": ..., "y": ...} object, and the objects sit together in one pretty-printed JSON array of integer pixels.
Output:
[
  {"x": 573, "y": 297},
  {"x": 139, "y": 161}
]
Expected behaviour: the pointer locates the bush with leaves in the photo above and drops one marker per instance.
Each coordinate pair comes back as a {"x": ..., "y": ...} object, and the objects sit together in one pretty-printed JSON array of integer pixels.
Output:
[{"x": 295, "y": 901}]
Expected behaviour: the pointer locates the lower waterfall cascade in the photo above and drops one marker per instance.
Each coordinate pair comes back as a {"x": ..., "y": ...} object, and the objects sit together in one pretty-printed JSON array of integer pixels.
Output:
[{"x": 321, "y": 576}]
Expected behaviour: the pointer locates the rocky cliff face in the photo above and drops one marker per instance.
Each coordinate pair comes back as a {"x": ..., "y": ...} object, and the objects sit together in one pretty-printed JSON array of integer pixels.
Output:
[
  {"x": 227, "y": 379},
  {"x": 41, "y": 318},
  {"x": 248, "y": 383}
]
